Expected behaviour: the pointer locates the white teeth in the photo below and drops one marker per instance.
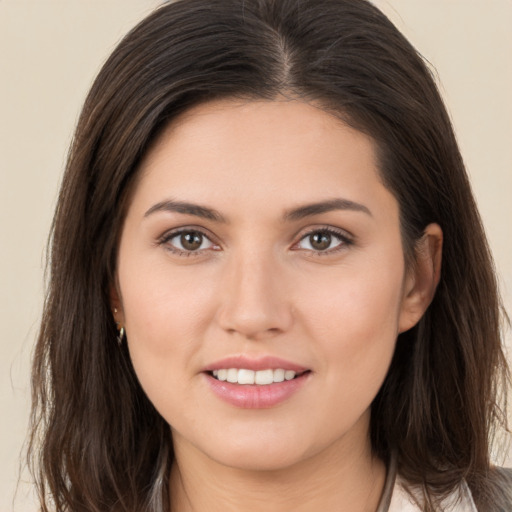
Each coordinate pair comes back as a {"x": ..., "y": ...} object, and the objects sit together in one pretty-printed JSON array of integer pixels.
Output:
[
  {"x": 264, "y": 377},
  {"x": 279, "y": 375},
  {"x": 289, "y": 374},
  {"x": 232, "y": 375},
  {"x": 260, "y": 377},
  {"x": 245, "y": 377}
]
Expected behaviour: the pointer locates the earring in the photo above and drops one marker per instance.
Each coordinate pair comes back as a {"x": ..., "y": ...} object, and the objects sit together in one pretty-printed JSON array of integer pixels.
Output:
[
  {"x": 120, "y": 336},
  {"x": 120, "y": 331}
]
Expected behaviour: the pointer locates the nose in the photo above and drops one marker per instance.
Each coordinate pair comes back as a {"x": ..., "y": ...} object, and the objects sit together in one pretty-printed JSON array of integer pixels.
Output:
[{"x": 254, "y": 302}]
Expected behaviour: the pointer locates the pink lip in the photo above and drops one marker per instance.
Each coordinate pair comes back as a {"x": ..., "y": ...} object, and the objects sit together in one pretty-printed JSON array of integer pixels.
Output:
[
  {"x": 253, "y": 396},
  {"x": 260, "y": 363}
]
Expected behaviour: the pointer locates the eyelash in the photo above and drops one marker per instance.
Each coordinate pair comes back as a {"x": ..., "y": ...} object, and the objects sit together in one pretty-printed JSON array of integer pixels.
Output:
[
  {"x": 344, "y": 239},
  {"x": 167, "y": 237}
]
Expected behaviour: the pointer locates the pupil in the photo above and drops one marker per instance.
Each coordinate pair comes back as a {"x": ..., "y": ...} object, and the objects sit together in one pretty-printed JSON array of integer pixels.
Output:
[
  {"x": 320, "y": 241},
  {"x": 191, "y": 241}
]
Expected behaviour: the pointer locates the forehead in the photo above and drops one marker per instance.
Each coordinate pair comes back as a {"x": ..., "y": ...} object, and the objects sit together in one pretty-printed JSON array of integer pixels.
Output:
[{"x": 258, "y": 153}]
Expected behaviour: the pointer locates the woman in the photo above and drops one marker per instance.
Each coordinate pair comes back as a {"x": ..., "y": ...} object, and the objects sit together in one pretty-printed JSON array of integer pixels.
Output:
[{"x": 270, "y": 287}]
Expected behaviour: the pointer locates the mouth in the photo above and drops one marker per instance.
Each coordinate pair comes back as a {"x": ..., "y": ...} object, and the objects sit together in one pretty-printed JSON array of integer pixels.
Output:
[
  {"x": 267, "y": 382},
  {"x": 264, "y": 377},
  {"x": 256, "y": 382}
]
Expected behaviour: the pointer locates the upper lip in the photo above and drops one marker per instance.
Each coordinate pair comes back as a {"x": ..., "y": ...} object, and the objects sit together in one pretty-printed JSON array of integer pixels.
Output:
[{"x": 254, "y": 363}]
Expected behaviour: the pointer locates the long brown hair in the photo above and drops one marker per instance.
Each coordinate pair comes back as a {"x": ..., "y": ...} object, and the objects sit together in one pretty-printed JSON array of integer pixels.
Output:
[{"x": 97, "y": 442}]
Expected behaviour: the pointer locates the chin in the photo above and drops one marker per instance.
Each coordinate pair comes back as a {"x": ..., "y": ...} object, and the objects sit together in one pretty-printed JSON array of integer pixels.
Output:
[
  {"x": 259, "y": 460},
  {"x": 254, "y": 451}
]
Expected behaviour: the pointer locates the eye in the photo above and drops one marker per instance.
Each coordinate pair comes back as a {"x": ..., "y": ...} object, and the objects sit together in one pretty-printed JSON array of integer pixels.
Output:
[
  {"x": 187, "y": 241},
  {"x": 323, "y": 240}
]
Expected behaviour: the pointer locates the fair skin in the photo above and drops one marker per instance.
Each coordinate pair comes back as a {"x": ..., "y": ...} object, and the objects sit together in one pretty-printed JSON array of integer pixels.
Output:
[{"x": 221, "y": 265}]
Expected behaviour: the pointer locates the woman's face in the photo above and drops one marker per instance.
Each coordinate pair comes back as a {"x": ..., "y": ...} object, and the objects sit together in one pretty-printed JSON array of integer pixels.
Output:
[{"x": 260, "y": 245}]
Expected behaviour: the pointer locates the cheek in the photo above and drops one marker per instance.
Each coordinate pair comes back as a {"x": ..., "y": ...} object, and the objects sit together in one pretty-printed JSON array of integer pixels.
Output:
[
  {"x": 358, "y": 305},
  {"x": 164, "y": 310},
  {"x": 164, "y": 314},
  {"x": 355, "y": 326},
  {"x": 354, "y": 320},
  {"x": 167, "y": 312}
]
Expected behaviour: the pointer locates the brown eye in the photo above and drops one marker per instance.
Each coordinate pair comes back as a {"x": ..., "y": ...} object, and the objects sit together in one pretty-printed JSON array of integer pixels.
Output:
[
  {"x": 188, "y": 242},
  {"x": 191, "y": 241},
  {"x": 323, "y": 241},
  {"x": 320, "y": 241}
]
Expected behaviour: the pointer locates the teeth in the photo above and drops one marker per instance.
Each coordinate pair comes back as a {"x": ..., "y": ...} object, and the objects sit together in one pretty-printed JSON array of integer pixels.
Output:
[
  {"x": 264, "y": 377},
  {"x": 246, "y": 377},
  {"x": 289, "y": 375},
  {"x": 232, "y": 375},
  {"x": 279, "y": 375},
  {"x": 260, "y": 377}
]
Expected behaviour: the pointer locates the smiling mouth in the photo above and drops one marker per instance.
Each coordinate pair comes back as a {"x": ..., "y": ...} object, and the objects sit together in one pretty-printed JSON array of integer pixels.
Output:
[{"x": 255, "y": 377}]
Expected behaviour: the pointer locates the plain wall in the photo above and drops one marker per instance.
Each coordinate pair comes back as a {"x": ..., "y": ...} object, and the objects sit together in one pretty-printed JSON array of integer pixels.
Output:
[{"x": 51, "y": 50}]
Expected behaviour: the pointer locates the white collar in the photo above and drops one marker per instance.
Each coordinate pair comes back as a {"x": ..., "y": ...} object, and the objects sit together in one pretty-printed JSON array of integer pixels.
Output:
[
  {"x": 395, "y": 498},
  {"x": 460, "y": 500}
]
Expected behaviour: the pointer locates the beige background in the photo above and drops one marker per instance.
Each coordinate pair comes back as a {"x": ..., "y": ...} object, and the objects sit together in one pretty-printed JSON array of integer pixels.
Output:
[{"x": 50, "y": 51}]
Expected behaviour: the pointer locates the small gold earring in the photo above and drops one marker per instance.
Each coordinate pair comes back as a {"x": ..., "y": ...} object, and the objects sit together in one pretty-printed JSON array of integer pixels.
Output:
[{"x": 120, "y": 336}]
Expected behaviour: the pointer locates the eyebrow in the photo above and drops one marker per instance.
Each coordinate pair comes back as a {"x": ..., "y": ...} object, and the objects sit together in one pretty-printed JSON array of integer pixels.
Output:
[
  {"x": 170, "y": 205},
  {"x": 323, "y": 207},
  {"x": 301, "y": 212}
]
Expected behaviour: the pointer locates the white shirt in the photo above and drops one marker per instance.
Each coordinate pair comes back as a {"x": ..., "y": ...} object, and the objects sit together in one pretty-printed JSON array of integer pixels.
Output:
[
  {"x": 396, "y": 499},
  {"x": 459, "y": 501}
]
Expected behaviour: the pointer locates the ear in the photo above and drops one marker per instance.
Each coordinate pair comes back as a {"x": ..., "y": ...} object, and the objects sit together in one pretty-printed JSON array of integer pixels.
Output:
[
  {"x": 116, "y": 305},
  {"x": 422, "y": 278}
]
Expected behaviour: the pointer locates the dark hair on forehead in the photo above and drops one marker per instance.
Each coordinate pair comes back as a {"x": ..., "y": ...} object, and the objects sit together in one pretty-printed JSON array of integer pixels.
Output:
[{"x": 104, "y": 446}]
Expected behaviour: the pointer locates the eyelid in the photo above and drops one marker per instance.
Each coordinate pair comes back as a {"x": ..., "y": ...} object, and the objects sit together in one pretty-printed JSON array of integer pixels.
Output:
[
  {"x": 346, "y": 238},
  {"x": 165, "y": 238}
]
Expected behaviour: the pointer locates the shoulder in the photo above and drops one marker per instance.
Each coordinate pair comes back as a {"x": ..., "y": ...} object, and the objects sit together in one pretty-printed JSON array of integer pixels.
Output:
[
  {"x": 400, "y": 496},
  {"x": 504, "y": 476},
  {"x": 502, "y": 479},
  {"x": 460, "y": 500}
]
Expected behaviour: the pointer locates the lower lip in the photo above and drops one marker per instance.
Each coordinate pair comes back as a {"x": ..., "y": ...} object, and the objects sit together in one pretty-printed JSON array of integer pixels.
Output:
[{"x": 246, "y": 396}]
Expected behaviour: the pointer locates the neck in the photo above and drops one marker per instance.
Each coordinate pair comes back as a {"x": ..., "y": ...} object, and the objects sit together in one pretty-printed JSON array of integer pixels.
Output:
[{"x": 343, "y": 478}]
